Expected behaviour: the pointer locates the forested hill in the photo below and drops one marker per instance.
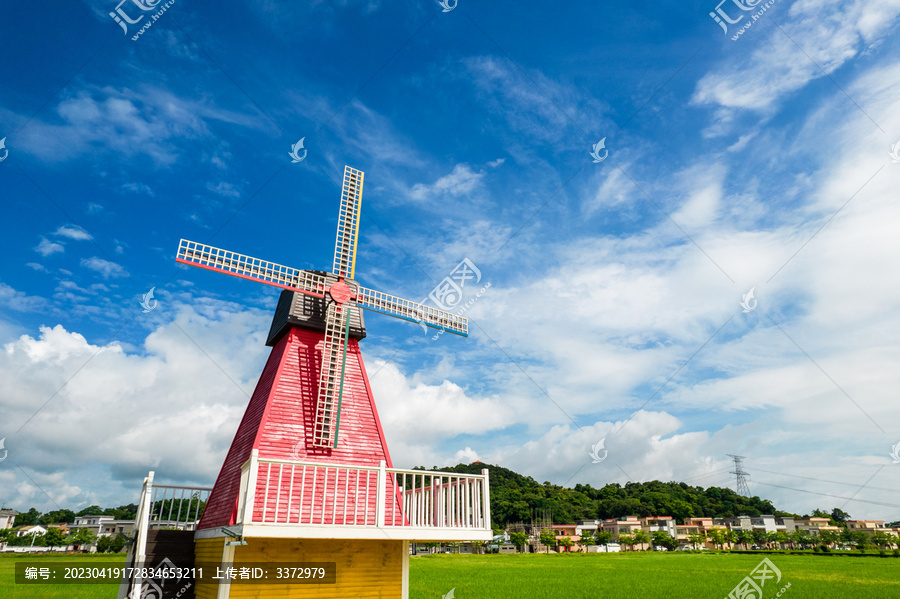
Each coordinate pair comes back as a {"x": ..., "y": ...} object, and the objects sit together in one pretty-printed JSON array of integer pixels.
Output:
[{"x": 514, "y": 498}]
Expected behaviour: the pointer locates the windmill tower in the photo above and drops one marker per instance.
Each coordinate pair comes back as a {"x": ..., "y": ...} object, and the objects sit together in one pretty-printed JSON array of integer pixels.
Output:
[{"x": 308, "y": 477}]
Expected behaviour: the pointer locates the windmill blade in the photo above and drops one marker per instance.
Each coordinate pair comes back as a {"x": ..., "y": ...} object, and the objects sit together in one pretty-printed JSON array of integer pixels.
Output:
[
  {"x": 331, "y": 377},
  {"x": 412, "y": 311},
  {"x": 348, "y": 223},
  {"x": 245, "y": 267}
]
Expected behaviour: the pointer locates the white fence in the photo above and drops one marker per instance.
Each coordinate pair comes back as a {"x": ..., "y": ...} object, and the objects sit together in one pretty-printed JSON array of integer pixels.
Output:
[
  {"x": 283, "y": 492},
  {"x": 163, "y": 507}
]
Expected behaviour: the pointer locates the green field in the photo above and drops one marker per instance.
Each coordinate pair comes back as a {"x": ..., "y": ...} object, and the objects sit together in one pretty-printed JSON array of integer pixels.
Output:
[
  {"x": 577, "y": 576},
  {"x": 663, "y": 575},
  {"x": 9, "y": 588}
]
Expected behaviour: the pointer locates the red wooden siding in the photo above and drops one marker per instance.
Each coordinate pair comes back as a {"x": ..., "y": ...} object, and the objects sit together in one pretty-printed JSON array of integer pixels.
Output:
[{"x": 278, "y": 422}]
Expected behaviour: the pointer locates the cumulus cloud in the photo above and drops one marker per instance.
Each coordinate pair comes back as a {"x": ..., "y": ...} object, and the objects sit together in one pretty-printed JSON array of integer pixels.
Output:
[
  {"x": 48, "y": 248},
  {"x": 422, "y": 413},
  {"x": 116, "y": 414}
]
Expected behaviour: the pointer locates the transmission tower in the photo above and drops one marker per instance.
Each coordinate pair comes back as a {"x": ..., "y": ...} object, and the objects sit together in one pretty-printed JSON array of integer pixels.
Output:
[{"x": 741, "y": 475}]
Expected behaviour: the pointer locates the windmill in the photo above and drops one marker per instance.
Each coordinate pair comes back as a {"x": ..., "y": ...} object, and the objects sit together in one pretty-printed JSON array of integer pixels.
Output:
[
  {"x": 338, "y": 289},
  {"x": 308, "y": 476}
]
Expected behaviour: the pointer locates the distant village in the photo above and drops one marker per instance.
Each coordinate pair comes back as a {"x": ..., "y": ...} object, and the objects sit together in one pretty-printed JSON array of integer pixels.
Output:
[{"x": 106, "y": 533}]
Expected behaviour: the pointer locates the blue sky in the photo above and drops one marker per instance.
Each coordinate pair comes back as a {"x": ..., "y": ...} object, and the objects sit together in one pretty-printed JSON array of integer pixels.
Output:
[{"x": 613, "y": 310}]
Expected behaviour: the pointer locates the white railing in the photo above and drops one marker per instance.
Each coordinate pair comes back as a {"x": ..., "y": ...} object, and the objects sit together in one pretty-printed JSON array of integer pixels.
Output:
[
  {"x": 157, "y": 510},
  {"x": 177, "y": 508},
  {"x": 315, "y": 494}
]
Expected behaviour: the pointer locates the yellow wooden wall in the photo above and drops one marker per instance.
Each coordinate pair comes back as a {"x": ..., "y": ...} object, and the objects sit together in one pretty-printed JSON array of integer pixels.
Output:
[
  {"x": 366, "y": 569},
  {"x": 207, "y": 551}
]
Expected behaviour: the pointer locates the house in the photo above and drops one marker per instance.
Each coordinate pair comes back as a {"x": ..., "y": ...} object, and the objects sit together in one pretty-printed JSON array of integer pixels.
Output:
[
  {"x": 62, "y": 527},
  {"x": 92, "y": 522},
  {"x": 589, "y": 526},
  {"x": 507, "y": 548},
  {"x": 32, "y": 529},
  {"x": 664, "y": 524},
  {"x": 625, "y": 524},
  {"x": 869, "y": 526},
  {"x": 816, "y": 526},
  {"x": 7, "y": 518},
  {"x": 683, "y": 532},
  {"x": 112, "y": 528},
  {"x": 107, "y": 526}
]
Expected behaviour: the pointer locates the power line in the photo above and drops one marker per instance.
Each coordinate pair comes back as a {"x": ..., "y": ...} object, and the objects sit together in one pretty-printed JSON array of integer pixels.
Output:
[
  {"x": 708, "y": 474},
  {"x": 893, "y": 505},
  {"x": 822, "y": 480}
]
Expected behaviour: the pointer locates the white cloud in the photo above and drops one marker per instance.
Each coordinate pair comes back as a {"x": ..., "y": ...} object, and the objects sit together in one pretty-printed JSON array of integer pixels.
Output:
[
  {"x": 20, "y": 301},
  {"x": 421, "y": 414},
  {"x": 534, "y": 105},
  {"x": 47, "y": 247},
  {"x": 223, "y": 188},
  {"x": 73, "y": 232},
  {"x": 816, "y": 34},
  {"x": 461, "y": 181},
  {"x": 147, "y": 121},
  {"x": 114, "y": 415},
  {"x": 105, "y": 268},
  {"x": 139, "y": 188}
]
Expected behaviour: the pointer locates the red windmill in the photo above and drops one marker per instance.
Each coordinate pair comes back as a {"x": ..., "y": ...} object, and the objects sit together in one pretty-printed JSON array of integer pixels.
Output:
[{"x": 309, "y": 474}]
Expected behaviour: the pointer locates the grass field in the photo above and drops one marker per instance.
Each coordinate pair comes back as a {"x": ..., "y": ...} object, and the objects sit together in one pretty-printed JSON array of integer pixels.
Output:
[
  {"x": 663, "y": 575},
  {"x": 582, "y": 576},
  {"x": 9, "y": 588}
]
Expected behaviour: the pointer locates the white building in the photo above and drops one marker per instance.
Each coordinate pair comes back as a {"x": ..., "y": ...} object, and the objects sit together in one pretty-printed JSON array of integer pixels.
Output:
[
  {"x": 7, "y": 517},
  {"x": 35, "y": 529}
]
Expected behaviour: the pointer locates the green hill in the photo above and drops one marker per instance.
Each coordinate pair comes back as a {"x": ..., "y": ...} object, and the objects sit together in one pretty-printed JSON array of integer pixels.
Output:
[{"x": 514, "y": 498}]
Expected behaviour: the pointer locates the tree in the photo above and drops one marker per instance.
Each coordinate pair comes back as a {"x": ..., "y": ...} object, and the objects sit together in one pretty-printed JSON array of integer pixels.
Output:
[
  {"x": 696, "y": 538},
  {"x": 839, "y": 515},
  {"x": 759, "y": 536},
  {"x": 83, "y": 536},
  {"x": 847, "y": 536},
  {"x": 744, "y": 537},
  {"x": 641, "y": 537},
  {"x": 54, "y": 538},
  {"x": 548, "y": 538},
  {"x": 566, "y": 542},
  {"x": 860, "y": 540},
  {"x": 802, "y": 538},
  {"x": 829, "y": 538},
  {"x": 782, "y": 538},
  {"x": 664, "y": 539},
  {"x": 626, "y": 540},
  {"x": 518, "y": 539},
  {"x": 730, "y": 538},
  {"x": 27, "y": 518},
  {"x": 717, "y": 536},
  {"x": 57, "y": 516},
  {"x": 587, "y": 538},
  {"x": 93, "y": 510},
  {"x": 103, "y": 544},
  {"x": 881, "y": 539},
  {"x": 602, "y": 537}
]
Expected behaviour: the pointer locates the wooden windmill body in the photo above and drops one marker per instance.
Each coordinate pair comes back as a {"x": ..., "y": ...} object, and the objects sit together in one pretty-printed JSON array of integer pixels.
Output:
[{"x": 308, "y": 477}]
